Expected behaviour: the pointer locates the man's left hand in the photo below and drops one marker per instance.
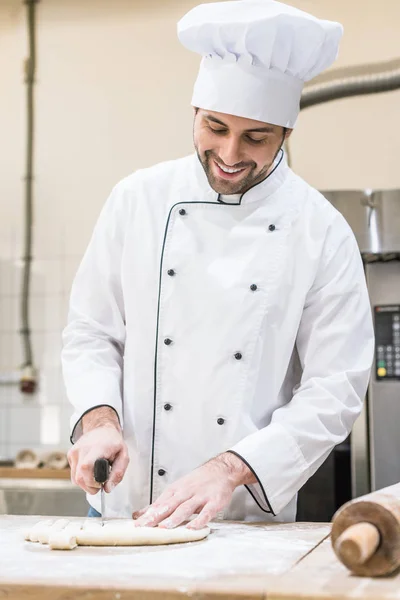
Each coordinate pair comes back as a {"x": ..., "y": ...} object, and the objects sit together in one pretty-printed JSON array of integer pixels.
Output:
[{"x": 206, "y": 491}]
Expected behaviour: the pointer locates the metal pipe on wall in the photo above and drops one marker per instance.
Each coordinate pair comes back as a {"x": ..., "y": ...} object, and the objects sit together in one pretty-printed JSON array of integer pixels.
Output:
[
  {"x": 28, "y": 380},
  {"x": 347, "y": 82},
  {"x": 352, "y": 81}
]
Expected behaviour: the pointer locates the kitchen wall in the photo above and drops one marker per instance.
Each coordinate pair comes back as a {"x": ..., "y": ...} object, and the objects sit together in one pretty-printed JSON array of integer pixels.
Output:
[{"x": 113, "y": 95}]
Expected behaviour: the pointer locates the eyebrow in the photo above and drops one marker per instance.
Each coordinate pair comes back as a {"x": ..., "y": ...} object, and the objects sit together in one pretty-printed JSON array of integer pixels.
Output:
[{"x": 266, "y": 129}]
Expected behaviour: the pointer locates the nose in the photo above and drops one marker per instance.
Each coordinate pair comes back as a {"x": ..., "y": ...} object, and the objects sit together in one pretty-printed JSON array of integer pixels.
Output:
[{"x": 229, "y": 151}]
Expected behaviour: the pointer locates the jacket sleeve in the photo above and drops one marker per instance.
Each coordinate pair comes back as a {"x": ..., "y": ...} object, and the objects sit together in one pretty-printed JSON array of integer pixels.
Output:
[
  {"x": 335, "y": 344},
  {"x": 94, "y": 338}
]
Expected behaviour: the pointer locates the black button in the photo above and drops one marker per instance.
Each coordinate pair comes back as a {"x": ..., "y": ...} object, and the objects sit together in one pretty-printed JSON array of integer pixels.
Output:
[
  {"x": 167, "y": 406},
  {"x": 253, "y": 287},
  {"x": 167, "y": 341},
  {"x": 238, "y": 356},
  {"x": 182, "y": 212},
  {"x": 272, "y": 228},
  {"x": 161, "y": 472},
  {"x": 171, "y": 272},
  {"x": 220, "y": 421}
]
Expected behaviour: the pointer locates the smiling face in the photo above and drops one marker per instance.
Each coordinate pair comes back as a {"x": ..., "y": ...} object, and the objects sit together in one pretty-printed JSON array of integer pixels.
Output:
[{"x": 236, "y": 153}]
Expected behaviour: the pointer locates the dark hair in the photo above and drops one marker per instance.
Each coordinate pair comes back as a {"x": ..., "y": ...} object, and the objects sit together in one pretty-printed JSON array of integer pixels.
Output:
[{"x": 285, "y": 129}]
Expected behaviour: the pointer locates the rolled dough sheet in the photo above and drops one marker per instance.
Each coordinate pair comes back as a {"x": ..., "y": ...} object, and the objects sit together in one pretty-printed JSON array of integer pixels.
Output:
[
  {"x": 63, "y": 534},
  {"x": 127, "y": 534}
]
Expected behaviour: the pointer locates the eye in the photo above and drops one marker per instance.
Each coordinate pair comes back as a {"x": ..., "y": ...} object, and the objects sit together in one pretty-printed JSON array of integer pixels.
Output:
[
  {"x": 217, "y": 131},
  {"x": 253, "y": 141}
]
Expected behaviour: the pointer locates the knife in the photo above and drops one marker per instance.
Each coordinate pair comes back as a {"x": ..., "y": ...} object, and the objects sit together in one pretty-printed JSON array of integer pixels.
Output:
[{"x": 101, "y": 474}]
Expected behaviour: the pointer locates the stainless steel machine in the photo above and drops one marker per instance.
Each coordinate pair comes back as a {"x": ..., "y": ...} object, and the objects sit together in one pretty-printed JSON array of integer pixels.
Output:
[{"x": 375, "y": 442}]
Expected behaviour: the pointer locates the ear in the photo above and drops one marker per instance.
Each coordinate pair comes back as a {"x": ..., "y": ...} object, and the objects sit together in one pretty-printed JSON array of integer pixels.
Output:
[{"x": 288, "y": 133}]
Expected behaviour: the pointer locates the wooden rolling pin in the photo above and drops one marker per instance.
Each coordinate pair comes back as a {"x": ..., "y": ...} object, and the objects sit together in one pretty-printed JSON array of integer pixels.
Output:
[{"x": 366, "y": 533}]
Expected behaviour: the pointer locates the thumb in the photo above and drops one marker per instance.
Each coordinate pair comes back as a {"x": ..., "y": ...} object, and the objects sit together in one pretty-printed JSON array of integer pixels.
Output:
[{"x": 117, "y": 470}]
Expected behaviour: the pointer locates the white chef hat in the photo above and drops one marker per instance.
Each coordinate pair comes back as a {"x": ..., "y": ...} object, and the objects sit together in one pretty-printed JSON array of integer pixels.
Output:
[{"x": 257, "y": 54}]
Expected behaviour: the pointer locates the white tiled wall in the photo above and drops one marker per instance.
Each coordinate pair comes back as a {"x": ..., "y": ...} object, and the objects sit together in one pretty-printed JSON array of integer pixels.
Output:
[{"x": 40, "y": 421}]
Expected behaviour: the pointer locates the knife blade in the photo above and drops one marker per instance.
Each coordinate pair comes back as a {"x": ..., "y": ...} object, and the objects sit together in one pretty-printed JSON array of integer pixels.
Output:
[{"x": 101, "y": 474}]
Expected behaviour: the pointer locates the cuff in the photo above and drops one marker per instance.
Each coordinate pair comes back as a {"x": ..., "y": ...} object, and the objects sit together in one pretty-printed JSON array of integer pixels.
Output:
[
  {"x": 256, "y": 489},
  {"x": 277, "y": 462},
  {"x": 81, "y": 389},
  {"x": 76, "y": 422}
]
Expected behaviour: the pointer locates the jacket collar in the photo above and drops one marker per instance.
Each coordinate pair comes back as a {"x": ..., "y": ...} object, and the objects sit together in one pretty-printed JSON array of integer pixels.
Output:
[{"x": 261, "y": 191}]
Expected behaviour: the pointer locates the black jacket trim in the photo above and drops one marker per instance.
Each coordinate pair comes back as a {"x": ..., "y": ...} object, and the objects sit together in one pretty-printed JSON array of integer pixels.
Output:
[
  {"x": 157, "y": 330},
  {"x": 71, "y": 439},
  {"x": 256, "y": 184},
  {"x": 217, "y": 203},
  {"x": 270, "y": 511}
]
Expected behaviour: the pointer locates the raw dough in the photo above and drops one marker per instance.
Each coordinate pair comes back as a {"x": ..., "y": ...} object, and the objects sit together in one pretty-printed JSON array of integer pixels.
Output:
[
  {"x": 32, "y": 535},
  {"x": 125, "y": 533},
  {"x": 65, "y": 539},
  {"x": 66, "y": 535},
  {"x": 41, "y": 531},
  {"x": 48, "y": 531}
]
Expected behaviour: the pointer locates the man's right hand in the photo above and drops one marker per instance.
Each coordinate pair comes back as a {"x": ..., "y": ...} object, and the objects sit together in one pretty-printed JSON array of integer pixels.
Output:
[{"x": 102, "y": 438}]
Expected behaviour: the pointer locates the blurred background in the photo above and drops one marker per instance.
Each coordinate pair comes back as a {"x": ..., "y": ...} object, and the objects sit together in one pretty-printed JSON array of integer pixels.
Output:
[{"x": 112, "y": 91}]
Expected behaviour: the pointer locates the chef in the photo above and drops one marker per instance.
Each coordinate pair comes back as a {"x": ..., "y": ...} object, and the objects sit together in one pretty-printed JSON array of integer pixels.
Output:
[{"x": 219, "y": 341}]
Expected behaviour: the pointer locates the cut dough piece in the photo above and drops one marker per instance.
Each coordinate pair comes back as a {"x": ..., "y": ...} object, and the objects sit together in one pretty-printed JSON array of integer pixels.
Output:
[
  {"x": 127, "y": 534},
  {"x": 45, "y": 532},
  {"x": 32, "y": 534},
  {"x": 65, "y": 539}
]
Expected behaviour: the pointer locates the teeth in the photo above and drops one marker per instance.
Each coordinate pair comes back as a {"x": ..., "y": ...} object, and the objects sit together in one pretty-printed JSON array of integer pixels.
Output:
[{"x": 225, "y": 170}]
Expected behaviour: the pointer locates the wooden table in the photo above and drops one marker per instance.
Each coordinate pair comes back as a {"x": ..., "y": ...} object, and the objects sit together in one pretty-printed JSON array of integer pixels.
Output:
[{"x": 246, "y": 561}]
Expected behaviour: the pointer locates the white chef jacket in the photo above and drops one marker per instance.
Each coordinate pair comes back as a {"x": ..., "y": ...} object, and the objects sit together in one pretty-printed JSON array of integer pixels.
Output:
[{"x": 211, "y": 327}]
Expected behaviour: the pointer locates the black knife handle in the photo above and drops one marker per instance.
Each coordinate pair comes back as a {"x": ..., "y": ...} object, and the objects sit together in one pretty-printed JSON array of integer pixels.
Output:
[{"x": 101, "y": 470}]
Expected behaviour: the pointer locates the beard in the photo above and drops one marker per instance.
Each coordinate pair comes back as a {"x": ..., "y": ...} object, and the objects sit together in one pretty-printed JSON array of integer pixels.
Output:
[
  {"x": 225, "y": 187},
  {"x": 232, "y": 187}
]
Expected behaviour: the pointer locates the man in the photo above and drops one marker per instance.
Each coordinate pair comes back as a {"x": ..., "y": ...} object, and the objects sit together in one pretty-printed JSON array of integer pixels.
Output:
[{"x": 220, "y": 333}]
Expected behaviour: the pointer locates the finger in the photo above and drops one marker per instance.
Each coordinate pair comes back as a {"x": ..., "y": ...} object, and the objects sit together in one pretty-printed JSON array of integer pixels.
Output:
[
  {"x": 159, "y": 508},
  {"x": 205, "y": 516},
  {"x": 72, "y": 459},
  {"x": 154, "y": 515},
  {"x": 84, "y": 475},
  {"x": 157, "y": 512},
  {"x": 139, "y": 513},
  {"x": 92, "y": 491},
  {"x": 181, "y": 514},
  {"x": 118, "y": 470},
  {"x": 87, "y": 487}
]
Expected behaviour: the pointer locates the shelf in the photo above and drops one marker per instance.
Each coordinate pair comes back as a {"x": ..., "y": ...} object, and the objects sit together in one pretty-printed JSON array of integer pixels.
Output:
[{"x": 14, "y": 473}]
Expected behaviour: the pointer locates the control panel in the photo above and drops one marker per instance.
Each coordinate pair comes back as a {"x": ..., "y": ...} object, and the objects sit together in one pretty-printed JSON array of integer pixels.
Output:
[{"x": 387, "y": 349}]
